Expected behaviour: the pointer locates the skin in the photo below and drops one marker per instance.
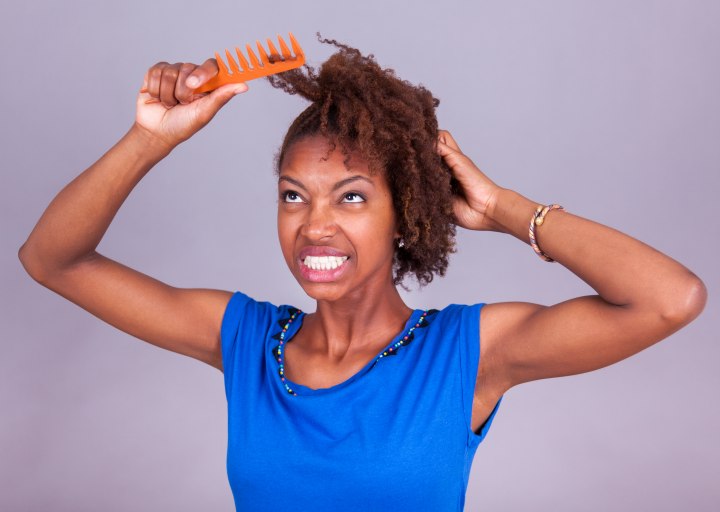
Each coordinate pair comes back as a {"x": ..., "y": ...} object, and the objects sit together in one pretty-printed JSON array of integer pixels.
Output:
[
  {"x": 642, "y": 297},
  {"x": 358, "y": 219}
]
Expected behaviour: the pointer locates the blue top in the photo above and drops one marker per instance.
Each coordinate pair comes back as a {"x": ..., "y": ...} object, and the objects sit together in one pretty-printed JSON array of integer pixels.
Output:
[{"x": 394, "y": 436}]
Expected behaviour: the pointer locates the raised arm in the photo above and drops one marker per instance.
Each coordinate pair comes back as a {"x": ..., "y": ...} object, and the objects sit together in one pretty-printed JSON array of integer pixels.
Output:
[
  {"x": 60, "y": 252},
  {"x": 643, "y": 295}
]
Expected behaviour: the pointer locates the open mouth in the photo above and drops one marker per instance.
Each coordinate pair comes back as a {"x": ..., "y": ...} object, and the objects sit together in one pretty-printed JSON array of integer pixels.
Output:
[{"x": 324, "y": 262}]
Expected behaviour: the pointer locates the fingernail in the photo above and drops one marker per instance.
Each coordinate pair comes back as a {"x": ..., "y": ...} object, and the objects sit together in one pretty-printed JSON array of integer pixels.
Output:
[
  {"x": 193, "y": 81},
  {"x": 240, "y": 88}
]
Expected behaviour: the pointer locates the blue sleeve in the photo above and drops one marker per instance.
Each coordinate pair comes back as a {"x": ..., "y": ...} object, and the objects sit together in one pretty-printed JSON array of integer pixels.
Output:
[
  {"x": 469, "y": 346},
  {"x": 240, "y": 319}
]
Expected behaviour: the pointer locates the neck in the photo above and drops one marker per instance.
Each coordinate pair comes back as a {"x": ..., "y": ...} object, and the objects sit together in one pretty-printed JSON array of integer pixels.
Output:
[{"x": 356, "y": 324}]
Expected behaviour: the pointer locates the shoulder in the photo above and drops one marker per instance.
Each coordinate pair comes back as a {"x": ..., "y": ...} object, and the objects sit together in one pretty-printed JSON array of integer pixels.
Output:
[
  {"x": 498, "y": 323},
  {"x": 488, "y": 330},
  {"x": 239, "y": 300},
  {"x": 244, "y": 311},
  {"x": 248, "y": 320}
]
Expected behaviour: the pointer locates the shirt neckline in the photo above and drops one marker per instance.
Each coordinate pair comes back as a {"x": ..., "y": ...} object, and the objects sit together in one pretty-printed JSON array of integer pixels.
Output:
[{"x": 301, "y": 390}]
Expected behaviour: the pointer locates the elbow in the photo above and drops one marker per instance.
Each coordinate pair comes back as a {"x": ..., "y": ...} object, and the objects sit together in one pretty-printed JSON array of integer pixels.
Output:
[
  {"x": 24, "y": 258},
  {"x": 29, "y": 263},
  {"x": 44, "y": 269},
  {"x": 689, "y": 302}
]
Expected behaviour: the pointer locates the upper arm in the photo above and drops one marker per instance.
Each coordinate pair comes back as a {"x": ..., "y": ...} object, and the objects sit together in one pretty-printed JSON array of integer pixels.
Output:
[
  {"x": 525, "y": 341},
  {"x": 186, "y": 321}
]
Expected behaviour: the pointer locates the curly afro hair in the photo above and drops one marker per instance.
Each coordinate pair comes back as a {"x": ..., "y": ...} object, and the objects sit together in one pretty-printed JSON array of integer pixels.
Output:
[{"x": 392, "y": 125}]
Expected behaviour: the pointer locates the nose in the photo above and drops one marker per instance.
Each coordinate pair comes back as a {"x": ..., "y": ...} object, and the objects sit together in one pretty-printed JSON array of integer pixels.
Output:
[{"x": 319, "y": 222}]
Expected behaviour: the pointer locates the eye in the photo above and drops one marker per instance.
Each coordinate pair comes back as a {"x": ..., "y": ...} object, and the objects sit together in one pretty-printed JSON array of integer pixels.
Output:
[
  {"x": 358, "y": 198},
  {"x": 290, "y": 196}
]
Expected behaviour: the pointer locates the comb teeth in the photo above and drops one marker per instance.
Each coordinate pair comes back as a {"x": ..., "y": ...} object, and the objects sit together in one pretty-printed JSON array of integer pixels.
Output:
[
  {"x": 263, "y": 55},
  {"x": 275, "y": 62},
  {"x": 284, "y": 48},
  {"x": 233, "y": 65},
  {"x": 253, "y": 59},
  {"x": 274, "y": 55}
]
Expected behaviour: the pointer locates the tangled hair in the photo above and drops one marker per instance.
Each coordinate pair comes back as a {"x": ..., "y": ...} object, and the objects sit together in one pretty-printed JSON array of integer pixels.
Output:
[{"x": 392, "y": 125}]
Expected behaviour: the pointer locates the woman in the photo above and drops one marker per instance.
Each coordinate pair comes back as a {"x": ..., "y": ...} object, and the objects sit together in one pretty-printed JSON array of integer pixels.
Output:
[{"x": 365, "y": 404}]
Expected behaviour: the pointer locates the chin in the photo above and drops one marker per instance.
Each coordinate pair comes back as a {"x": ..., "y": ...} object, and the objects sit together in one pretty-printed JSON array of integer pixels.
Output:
[{"x": 321, "y": 291}]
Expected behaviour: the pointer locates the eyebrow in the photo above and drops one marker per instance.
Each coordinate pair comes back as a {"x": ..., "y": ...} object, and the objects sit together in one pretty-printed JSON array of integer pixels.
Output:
[{"x": 337, "y": 185}]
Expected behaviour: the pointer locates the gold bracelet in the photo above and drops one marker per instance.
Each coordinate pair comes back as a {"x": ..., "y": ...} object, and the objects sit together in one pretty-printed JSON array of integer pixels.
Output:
[{"x": 537, "y": 220}]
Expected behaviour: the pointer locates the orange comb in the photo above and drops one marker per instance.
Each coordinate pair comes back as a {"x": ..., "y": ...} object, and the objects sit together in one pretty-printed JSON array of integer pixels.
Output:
[{"x": 266, "y": 65}]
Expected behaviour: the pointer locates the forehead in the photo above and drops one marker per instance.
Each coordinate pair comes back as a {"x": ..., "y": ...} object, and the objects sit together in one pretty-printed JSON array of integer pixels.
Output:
[{"x": 311, "y": 157}]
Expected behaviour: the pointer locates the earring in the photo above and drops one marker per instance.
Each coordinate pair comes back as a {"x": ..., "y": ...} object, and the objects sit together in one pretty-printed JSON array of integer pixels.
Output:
[{"x": 401, "y": 242}]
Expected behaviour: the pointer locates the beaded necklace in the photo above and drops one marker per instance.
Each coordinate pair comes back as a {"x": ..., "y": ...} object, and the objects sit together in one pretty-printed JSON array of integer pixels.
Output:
[{"x": 391, "y": 351}]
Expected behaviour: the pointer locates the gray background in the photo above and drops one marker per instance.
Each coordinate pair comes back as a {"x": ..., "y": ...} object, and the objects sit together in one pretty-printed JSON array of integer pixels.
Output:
[{"x": 608, "y": 108}]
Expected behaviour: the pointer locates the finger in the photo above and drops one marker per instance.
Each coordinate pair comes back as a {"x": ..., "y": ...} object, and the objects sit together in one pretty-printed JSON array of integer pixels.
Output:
[
  {"x": 154, "y": 75},
  {"x": 167, "y": 85},
  {"x": 214, "y": 101},
  {"x": 144, "y": 96},
  {"x": 461, "y": 166},
  {"x": 448, "y": 139},
  {"x": 202, "y": 74},
  {"x": 183, "y": 93},
  {"x": 452, "y": 155},
  {"x": 445, "y": 150},
  {"x": 219, "y": 97}
]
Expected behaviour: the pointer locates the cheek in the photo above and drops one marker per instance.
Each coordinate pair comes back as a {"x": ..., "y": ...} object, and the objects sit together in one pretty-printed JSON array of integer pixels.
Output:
[
  {"x": 285, "y": 236},
  {"x": 376, "y": 230},
  {"x": 389, "y": 218}
]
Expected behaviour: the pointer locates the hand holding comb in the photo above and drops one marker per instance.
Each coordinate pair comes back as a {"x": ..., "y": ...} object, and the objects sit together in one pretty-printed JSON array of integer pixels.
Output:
[
  {"x": 266, "y": 65},
  {"x": 275, "y": 62}
]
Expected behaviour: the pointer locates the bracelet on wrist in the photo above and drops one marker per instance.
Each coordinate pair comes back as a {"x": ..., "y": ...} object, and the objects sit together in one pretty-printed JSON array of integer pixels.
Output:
[{"x": 537, "y": 220}]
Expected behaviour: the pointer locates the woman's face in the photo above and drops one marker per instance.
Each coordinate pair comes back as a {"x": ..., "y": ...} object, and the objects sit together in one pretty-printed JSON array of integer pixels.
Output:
[{"x": 336, "y": 226}]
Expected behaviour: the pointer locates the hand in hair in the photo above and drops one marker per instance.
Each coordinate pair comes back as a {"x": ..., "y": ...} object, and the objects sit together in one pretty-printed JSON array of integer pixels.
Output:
[
  {"x": 478, "y": 192},
  {"x": 166, "y": 106}
]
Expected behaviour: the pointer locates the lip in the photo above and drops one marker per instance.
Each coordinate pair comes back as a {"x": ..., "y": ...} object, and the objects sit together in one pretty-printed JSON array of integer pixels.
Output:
[
  {"x": 321, "y": 276},
  {"x": 320, "y": 250}
]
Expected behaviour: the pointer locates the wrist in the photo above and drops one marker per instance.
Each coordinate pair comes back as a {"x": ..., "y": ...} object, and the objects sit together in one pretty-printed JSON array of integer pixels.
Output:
[
  {"x": 511, "y": 212},
  {"x": 145, "y": 140}
]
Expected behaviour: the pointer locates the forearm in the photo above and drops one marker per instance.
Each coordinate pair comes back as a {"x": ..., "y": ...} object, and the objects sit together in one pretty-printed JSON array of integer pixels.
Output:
[
  {"x": 623, "y": 270},
  {"x": 77, "y": 218}
]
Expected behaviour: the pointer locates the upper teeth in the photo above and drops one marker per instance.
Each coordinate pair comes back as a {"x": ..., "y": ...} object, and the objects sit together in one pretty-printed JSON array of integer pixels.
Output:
[{"x": 324, "y": 262}]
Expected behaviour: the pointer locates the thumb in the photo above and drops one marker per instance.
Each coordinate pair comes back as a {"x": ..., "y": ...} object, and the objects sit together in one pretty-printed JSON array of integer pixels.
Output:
[
  {"x": 220, "y": 96},
  {"x": 464, "y": 170},
  {"x": 453, "y": 157}
]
